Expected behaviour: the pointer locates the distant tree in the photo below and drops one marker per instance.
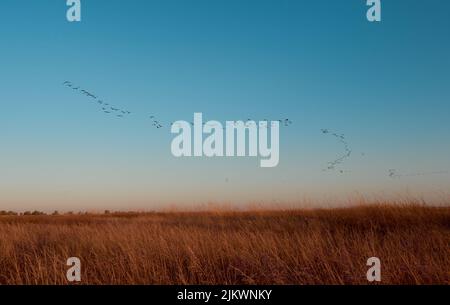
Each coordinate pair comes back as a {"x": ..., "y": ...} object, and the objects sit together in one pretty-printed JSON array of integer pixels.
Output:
[
  {"x": 27, "y": 213},
  {"x": 107, "y": 212},
  {"x": 55, "y": 213},
  {"x": 37, "y": 213}
]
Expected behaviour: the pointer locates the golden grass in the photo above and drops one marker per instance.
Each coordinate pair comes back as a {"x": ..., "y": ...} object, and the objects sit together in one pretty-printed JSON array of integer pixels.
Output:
[{"x": 263, "y": 247}]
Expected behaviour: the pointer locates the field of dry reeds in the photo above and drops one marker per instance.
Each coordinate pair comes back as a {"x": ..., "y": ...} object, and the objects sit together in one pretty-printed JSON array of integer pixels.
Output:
[{"x": 324, "y": 246}]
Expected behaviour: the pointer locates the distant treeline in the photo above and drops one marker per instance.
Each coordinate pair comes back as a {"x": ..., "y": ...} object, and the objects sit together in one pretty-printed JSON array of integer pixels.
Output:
[
  {"x": 27, "y": 213},
  {"x": 39, "y": 213}
]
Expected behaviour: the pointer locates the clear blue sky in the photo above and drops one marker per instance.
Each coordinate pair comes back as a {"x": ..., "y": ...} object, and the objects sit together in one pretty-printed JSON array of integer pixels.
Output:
[{"x": 318, "y": 63}]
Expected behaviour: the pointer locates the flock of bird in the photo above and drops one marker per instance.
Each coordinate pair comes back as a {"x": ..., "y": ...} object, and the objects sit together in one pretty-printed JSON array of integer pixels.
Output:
[
  {"x": 121, "y": 113},
  {"x": 108, "y": 108},
  {"x": 262, "y": 124},
  {"x": 332, "y": 165},
  {"x": 347, "y": 151},
  {"x": 394, "y": 174},
  {"x": 104, "y": 106}
]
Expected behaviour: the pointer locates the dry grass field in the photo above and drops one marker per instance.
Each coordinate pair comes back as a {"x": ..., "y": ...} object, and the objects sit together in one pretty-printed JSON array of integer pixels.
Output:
[{"x": 327, "y": 246}]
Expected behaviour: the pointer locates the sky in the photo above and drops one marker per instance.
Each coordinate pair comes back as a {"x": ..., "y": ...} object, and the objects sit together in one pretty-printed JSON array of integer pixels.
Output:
[{"x": 321, "y": 64}]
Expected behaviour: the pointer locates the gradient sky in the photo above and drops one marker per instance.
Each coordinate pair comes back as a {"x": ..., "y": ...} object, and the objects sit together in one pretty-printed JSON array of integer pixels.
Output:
[{"x": 319, "y": 63}]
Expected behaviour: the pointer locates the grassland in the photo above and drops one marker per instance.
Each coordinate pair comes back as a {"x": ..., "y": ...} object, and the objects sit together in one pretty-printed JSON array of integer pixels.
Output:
[{"x": 327, "y": 246}]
